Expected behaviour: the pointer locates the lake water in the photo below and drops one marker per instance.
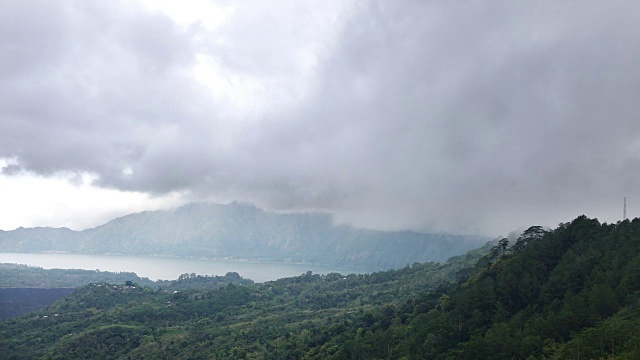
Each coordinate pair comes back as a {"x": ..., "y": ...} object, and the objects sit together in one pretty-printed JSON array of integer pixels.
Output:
[{"x": 166, "y": 268}]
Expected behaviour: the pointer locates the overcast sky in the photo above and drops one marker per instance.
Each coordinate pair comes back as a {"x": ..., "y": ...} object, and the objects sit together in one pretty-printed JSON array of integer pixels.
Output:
[{"x": 464, "y": 117}]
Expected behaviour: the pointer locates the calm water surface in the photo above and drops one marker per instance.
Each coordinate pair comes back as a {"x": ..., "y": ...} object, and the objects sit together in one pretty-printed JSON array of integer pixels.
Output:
[{"x": 164, "y": 268}]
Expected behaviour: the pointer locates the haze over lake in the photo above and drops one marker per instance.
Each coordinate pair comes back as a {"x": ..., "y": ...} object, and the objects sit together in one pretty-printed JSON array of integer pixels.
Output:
[{"x": 166, "y": 268}]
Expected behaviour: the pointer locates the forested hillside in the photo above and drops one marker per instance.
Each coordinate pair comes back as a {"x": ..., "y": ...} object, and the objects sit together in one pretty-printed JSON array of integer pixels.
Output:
[
  {"x": 242, "y": 231},
  {"x": 26, "y": 288},
  {"x": 566, "y": 294},
  {"x": 234, "y": 321},
  {"x": 25, "y": 276},
  {"x": 569, "y": 293}
]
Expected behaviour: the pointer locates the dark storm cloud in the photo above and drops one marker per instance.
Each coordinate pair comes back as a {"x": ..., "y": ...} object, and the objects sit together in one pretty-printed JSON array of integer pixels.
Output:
[{"x": 432, "y": 115}]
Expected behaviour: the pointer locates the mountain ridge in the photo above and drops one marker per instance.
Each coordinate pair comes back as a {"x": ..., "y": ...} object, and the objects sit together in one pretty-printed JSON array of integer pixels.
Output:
[{"x": 243, "y": 231}]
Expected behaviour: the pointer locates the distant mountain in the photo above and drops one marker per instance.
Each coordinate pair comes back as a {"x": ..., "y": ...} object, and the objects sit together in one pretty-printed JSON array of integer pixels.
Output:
[{"x": 242, "y": 231}]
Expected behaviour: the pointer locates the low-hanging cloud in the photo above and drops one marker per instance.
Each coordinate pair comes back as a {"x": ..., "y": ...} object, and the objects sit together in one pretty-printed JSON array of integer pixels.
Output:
[{"x": 475, "y": 117}]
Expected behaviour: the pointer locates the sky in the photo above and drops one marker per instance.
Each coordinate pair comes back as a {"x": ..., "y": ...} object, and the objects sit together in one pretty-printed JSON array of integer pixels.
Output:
[{"x": 475, "y": 117}]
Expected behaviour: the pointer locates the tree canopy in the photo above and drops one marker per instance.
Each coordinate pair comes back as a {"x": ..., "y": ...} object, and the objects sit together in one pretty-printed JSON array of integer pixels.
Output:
[{"x": 568, "y": 293}]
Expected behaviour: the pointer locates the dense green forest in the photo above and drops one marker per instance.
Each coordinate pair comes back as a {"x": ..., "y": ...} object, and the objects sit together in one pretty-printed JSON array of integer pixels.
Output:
[
  {"x": 25, "y": 276},
  {"x": 26, "y": 288},
  {"x": 569, "y": 293}
]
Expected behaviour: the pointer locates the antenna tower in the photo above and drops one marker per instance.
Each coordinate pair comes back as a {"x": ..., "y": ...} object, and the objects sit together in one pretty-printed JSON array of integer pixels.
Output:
[{"x": 624, "y": 209}]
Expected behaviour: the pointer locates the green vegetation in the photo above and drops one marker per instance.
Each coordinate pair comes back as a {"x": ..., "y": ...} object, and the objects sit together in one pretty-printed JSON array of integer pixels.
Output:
[
  {"x": 230, "y": 321},
  {"x": 569, "y": 293},
  {"x": 26, "y": 288},
  {"x": 25, "y": 276}
]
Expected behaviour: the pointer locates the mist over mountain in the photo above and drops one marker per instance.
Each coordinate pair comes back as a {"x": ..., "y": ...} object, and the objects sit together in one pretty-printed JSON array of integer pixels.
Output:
[{"x": 243, "y": 231}]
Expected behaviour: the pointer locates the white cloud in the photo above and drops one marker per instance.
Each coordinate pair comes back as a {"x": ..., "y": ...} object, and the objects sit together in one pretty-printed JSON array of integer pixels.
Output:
[
  {"x": 68, "y": 200},
  {"x": 210, "y": 14},
  {"x": 403, "y": 114}
]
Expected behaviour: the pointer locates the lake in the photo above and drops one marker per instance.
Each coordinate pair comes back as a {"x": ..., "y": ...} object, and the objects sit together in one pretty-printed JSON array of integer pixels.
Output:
[{"x": 166, "y": 268}]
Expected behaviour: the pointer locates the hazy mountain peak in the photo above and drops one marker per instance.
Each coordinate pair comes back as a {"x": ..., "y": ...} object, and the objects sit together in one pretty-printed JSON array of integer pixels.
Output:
[{"x": 244, "y": 231}]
